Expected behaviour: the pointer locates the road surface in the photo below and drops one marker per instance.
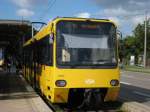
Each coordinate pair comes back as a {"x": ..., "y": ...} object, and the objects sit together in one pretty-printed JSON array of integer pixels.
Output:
[{"x": 135, "y": 86}]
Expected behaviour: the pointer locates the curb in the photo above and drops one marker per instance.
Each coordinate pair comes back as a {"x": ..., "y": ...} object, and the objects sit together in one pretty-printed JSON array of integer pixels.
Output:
[
  {"x": 136, "y": 70},
  {"x": 134, "y": 107},
  {"x": 36, "y": 102}
]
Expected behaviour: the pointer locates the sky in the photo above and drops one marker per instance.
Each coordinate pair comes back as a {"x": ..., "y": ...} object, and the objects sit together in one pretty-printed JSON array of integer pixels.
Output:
[{"x": 125, "y": 13}]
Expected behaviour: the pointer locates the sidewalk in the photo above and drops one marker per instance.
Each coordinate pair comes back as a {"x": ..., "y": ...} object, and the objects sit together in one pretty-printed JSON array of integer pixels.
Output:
[{"x": 17, "y": 96}]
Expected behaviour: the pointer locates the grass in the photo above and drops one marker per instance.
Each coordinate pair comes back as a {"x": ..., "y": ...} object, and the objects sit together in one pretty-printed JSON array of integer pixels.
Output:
[{"x": 137, "y": 69}]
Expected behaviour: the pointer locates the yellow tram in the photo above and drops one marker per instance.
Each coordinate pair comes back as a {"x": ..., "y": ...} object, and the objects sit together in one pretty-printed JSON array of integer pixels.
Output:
[{"x": 74, "y": 60}]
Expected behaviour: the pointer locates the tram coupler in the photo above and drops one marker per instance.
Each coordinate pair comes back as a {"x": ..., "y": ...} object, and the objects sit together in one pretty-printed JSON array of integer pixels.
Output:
[{"x": 92, "y": 99}]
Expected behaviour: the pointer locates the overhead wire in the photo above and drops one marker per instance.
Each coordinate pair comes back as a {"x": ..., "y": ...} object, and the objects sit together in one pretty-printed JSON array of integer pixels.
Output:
[
  {"x": 50, "y": 5},
  {"x": 43, "y": 13},
  {"x": 140, "y": 12}
]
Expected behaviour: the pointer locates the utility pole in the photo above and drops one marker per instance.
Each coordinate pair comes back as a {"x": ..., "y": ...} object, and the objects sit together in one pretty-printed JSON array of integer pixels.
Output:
[{"x": 145, "y": 39}]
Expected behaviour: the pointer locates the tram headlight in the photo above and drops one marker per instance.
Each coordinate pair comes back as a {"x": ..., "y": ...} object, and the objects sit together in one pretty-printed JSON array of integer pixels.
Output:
[
  {"x": 114, "y": 82},
  {"x": 60, "y": 83}
]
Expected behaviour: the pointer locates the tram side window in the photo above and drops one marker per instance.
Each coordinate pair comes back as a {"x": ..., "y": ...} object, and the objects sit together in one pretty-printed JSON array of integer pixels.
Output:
[
  {"x": 45, "y": 51},
  {"x": 25, "y": 56},
  {"x": 28, "y": 56},
  {"x": 35, "y": 53},
  {"x": 31, "y": 56}
]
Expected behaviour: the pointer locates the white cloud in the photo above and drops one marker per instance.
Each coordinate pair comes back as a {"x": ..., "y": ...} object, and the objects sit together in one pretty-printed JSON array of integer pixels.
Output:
[
  {"x": 138, "y": 19},
  {"x": 139, "y": 3},
  {"x": 27, "y": 6},
  {"x": 22, "y": 3},
  {"x": 130, "y": 5},
  {"x": 25, "y": 13},
  {"x": 115, "y": 11},
  {"x": 83, "y": 15},
  {"x": 126, "y": 13},
  {"x": 29, "y": 3}
]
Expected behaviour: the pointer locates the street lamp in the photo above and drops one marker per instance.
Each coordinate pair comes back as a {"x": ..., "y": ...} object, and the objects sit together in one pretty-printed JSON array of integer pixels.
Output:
[{"x": 145, "y": 39}]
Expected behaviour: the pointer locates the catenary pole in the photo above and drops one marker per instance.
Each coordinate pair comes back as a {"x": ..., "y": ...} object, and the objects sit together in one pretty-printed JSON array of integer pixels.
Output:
[{"x": 145, "y": 39}]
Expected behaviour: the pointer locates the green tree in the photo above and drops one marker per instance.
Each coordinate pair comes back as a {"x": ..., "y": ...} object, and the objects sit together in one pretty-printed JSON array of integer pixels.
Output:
[
  {"x": 139, "y": 34},
  {"x": 134, "y": 45}
]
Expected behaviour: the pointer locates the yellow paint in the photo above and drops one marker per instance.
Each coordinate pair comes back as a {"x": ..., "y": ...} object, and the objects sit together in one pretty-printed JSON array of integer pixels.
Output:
[{"x": 112, "y": 94}]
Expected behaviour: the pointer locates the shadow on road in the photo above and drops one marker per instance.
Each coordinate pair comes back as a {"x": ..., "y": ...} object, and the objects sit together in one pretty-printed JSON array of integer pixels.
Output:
[
  {"x": 134, "y": 94},
  {"x": 12, "y": 87}
]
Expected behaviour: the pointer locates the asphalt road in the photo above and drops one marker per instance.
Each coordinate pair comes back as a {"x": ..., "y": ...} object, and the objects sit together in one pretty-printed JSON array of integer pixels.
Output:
[{"x": 135, "y": 87}]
